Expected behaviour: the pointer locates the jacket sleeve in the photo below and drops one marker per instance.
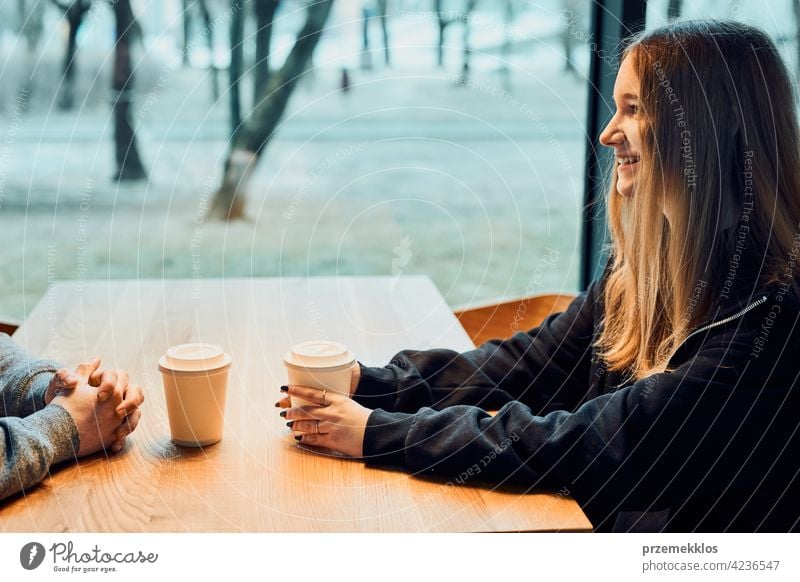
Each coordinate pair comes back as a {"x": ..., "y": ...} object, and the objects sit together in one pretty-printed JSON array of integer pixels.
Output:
[
  {"x": 30, "y": 446},
  {"x": 33, "y": 436},
  {"x": 705, "y": 428},
  {"x": 23, "y": 380},
  {"x": 546, "y": 367}
]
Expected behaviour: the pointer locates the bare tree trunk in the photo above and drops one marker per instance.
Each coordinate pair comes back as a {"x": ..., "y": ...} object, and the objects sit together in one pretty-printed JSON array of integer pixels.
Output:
[
  {"x": 74, "y": 13},
  {"x": 236, "y": 66},
  {"x": 382, "y": 14},
  {"x": 253, "y": 138},
  {"x": 508, "y": 14},
  {"x": 208, "y": 33},
  {"x": 129, "y": 165},
  {"x": 442, "y": 22},
  {"x": 366, "y": 53},
  {"x": 674, "y": 9},
  {"x": 467, "y": 52},
  {"x": 265, "y": 14},
  {"x": 187, "y": 32},
  {"x": 67, "y": 96}
]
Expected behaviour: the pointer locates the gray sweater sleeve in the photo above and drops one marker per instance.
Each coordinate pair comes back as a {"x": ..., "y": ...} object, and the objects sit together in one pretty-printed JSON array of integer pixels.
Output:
[
  {"x": 32, "y": 436},
  {"x": 30, "y": 446},
  {"x": 23, "y": 380}
]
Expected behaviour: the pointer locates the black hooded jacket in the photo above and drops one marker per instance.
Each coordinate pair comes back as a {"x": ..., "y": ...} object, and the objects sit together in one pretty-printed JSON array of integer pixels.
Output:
[{"x": 713, "y": 445}]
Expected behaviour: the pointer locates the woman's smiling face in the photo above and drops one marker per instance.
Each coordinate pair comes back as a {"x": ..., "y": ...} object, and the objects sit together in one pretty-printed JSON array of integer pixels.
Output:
[{"x": 622, "y": 132}]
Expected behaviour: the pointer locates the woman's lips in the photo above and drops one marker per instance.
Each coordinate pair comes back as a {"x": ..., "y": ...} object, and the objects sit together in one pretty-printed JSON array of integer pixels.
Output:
[{"x": 627, "y": 167}]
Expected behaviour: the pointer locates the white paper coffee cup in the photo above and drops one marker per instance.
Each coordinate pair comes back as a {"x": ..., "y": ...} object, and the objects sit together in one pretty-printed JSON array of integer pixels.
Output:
[
  {"x": 320, "y": 364},
  {"x": 195, "y": 384}
]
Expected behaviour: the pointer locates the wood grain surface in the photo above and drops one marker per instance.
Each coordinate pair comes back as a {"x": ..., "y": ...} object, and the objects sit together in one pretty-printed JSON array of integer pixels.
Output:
[{"x": 257, "y": 479}]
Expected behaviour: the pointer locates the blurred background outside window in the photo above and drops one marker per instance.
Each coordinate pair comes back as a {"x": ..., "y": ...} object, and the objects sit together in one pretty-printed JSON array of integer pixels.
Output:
[{"x": 223, "y": 138}]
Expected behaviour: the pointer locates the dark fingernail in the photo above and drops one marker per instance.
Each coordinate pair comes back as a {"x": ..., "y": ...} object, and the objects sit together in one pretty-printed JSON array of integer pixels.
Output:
[
  {"x": 284, "y": 388},
  {"x": 290, "y": 423},
  {"x": 283, "y": 414},
  {"x": 277, "y": 404},
  {"x": 298, "y": 437}
]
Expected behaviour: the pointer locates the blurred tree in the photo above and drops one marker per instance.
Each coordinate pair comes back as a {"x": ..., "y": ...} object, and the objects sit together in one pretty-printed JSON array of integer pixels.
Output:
[
  {"x": 574, "y": 31},
  {"x": 208, "y": 36},
  {"x": 443, "y": 22},
  {"x": 188, "y": 20},
  {"x": 30, "y": 25},
  {"x": 445, "y": 18},
  {"x": 129, "y": 165},
  {"x": 265, "y": 14},
  {"x": 31, "y": 22},
  {"x": 674, "y": 9},
  {"x": 505, "y": 69},
  {"x": 252, "y": 137},
  {"x": 237, "y": 65},
  {"x": 371, "y": 10},
  {"x": 74, "y": 12},
  {"x": 466, "y": 51},
  {"x": 384, "y": 20}
]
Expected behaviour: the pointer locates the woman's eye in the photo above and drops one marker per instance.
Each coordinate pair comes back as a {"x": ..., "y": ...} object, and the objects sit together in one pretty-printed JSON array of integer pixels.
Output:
[{"x": 634, "y": 109}]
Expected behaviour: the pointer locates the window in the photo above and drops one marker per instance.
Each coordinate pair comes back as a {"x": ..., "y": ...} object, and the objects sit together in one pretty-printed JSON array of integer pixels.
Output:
[{"x": 461, "y": 162}]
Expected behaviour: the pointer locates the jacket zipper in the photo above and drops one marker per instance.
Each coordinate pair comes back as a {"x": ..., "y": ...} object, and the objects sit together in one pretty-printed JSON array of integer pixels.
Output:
[{"x": 728, "y": 319}]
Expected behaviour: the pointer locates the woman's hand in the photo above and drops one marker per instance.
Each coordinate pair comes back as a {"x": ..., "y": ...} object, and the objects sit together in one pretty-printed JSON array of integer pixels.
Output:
[
  {"x": 338, "y": 425},
  {"x": 285, "y": 402}
]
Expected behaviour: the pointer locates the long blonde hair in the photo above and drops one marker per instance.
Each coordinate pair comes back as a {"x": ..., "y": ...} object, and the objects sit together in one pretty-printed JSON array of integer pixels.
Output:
[{"x": 721, "y": 157}]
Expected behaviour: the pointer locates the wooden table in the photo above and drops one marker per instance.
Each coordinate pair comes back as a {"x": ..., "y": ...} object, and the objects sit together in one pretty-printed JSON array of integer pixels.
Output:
[{"x": 257, "y": 479}]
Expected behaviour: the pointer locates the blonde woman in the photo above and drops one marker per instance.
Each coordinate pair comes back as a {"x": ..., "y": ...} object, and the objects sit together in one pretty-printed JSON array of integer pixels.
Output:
[{"x": 666, "y": 397}]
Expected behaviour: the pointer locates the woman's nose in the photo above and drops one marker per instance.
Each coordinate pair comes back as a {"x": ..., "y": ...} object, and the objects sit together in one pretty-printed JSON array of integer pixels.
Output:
[{"x": 611, "y": 135}]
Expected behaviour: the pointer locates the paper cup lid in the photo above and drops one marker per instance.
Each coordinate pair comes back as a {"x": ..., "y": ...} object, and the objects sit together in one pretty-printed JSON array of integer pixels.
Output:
[
  {"x": 194, "y": 358},
  {"x": 319, "y": 353}
]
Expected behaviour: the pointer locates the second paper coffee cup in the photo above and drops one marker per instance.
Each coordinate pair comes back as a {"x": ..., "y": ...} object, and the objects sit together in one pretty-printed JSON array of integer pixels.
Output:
[
  {"x": 195, "y": 385},
  {"x": 320, "y": 364}
]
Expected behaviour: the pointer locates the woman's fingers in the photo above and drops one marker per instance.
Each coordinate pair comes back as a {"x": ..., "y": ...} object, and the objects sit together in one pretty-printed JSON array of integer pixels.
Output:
[
  {"x": 314, "y": 394},
  {"x": 318, "y": 440},
  {"x": 284, "y": 402},
  {"x": 310, "y": 426},
  {"x": 307, "y": 413}
]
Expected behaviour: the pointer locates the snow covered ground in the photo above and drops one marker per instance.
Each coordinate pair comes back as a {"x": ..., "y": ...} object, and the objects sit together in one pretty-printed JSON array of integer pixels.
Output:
[{"x": 479, "y": 187}]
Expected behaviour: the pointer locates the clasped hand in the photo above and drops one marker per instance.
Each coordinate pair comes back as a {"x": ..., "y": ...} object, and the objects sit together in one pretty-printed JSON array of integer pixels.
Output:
[{"x": 102, "y": 403}]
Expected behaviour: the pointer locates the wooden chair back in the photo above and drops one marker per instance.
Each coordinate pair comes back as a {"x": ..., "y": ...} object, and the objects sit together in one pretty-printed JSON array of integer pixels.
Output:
[
  {"x": 7, "y": 327},
  {"x": 502, "y": 320}
]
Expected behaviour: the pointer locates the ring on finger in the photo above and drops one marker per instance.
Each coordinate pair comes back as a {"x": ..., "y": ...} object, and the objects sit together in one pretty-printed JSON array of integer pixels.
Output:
[{"x": 324, "y": 394}]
